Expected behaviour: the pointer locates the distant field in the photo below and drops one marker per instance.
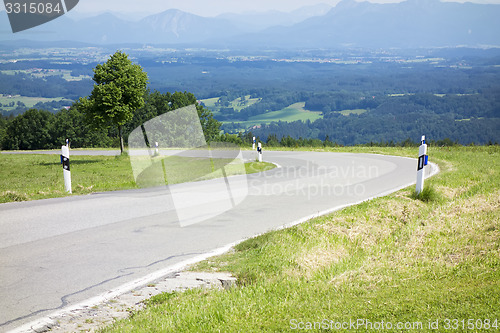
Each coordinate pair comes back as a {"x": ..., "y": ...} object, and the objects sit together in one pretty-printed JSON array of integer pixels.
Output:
[
  {"x": 28, "y": 101},
  {"x": 237, "y": 104},
  {"x": 210, "y": 102},
  {"x": 291, "y": 113},
  {"x": 348, "y": 112},
  {"x": 42, "y": 73}
]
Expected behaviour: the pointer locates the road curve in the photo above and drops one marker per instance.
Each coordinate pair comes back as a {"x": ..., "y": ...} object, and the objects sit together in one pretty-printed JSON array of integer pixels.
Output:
[{"x": 59, "y": 252}]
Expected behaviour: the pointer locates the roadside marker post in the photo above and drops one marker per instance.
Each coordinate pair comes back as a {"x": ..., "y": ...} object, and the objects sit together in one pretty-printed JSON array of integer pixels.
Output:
[
  {"x": 259, "y": 151},
  {"x": 253, "y": 144},
  {"x": 66, "y": 169},
  {"x": 422, "y": 162}
]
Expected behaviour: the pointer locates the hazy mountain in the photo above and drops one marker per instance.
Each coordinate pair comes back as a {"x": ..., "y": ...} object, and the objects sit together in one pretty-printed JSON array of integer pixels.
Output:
[
  {"x": 257, "y": 21},
  {"x": 172, "y": 26},
  {"x": 413, "y": 23},
  {"x": 126, "y": 16},
  {"x": 175, "y": 26},
  {"x": 104, "y": 28}
]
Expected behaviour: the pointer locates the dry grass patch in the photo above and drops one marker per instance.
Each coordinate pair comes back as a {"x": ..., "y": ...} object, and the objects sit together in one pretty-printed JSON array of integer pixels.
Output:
[
  {"x": 455, "y": 233},
  {"x": 450, "y": 193},
  {"x": 320, "y": 257},
  {"x": 13, "y": 196},
  {"x": 359, "y": 235},
  {"x": 446, "y": 166}
]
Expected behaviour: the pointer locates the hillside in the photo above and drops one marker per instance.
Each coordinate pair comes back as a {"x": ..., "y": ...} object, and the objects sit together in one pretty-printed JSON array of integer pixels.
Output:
[
  {"x": 409, "y": 24},
  {"x": 348, "y": 97}
]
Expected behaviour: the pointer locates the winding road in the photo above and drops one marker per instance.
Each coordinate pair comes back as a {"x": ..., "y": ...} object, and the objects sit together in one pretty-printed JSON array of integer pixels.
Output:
[{"x": 60, "y": 252}]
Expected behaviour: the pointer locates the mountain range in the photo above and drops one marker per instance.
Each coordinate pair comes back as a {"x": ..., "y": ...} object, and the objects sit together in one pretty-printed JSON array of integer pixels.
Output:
[{"x": 408, "y": 24}]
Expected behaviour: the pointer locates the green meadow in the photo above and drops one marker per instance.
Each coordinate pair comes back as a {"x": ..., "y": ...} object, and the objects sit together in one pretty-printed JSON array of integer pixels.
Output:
[
  {"x": 292, "y": 113},
  {"x": 43, "y": 73},
  {"x": 38, "y": 176},
  {"x": 237, "y": 104},
  {"x": 28, "y": 101}
]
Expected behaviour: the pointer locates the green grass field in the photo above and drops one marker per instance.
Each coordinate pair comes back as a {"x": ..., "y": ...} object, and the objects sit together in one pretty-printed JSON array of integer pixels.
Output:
[
  {"x": 32, "y": 177},
  {"x": 396, "y": 261},
  {"x": 292, "y": 113},
  {"x": 28, "y": 101},
  {"x": 237, "y": 104},
  {"x": 64, "y": 73},
  {"x": 210, "y": 102}
]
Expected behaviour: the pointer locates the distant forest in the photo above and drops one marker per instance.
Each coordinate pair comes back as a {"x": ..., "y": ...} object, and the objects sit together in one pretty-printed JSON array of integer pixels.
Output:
[
  {"x": 463, "y": 119},
  {"x": 454, "y": 98}
]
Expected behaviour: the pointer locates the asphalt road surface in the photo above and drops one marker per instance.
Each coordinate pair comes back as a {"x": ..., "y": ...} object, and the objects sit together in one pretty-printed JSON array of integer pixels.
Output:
[{"x": 59, "y": 252}]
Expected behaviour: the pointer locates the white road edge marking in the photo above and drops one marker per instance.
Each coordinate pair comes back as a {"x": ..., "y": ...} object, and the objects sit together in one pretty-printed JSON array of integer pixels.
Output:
[{"x": 47, "y": 321}]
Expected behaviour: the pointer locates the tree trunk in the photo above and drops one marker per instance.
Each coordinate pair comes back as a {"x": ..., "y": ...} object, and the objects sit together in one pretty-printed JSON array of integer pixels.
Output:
[{"x": 121, "y": 139}]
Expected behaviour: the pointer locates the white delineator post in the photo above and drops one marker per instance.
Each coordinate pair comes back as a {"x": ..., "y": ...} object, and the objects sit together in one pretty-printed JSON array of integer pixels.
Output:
[
  {"x": 66, "y": 171},
  {"x": 253, "y": 144},
  {"x": 422, "y": 162},
  {"x": 259, "y": 151}
]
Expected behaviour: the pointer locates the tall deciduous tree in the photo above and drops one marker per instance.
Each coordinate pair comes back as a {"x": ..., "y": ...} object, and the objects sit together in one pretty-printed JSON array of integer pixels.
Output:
[{"x": 119, "y": 89}]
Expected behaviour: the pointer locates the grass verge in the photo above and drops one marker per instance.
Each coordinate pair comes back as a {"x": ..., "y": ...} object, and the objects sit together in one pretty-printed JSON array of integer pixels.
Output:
[
  {"x": 394, "y": 262},
  {"x": 32, "y": 177}
]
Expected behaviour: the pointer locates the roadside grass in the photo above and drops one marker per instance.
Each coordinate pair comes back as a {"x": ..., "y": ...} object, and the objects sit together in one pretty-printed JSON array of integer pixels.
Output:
[
  {"x": 392, "y": 260},
  {"x": 32, "y": 177}
]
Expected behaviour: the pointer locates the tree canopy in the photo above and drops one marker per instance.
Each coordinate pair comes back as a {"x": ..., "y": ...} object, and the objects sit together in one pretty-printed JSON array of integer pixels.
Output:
[
  {"x": 29, "y": 131},
  {"x": 118, "y": 92}
]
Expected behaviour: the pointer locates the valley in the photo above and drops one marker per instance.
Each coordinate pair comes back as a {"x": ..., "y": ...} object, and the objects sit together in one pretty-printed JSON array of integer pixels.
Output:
[{"x": 351, "y": 97}]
